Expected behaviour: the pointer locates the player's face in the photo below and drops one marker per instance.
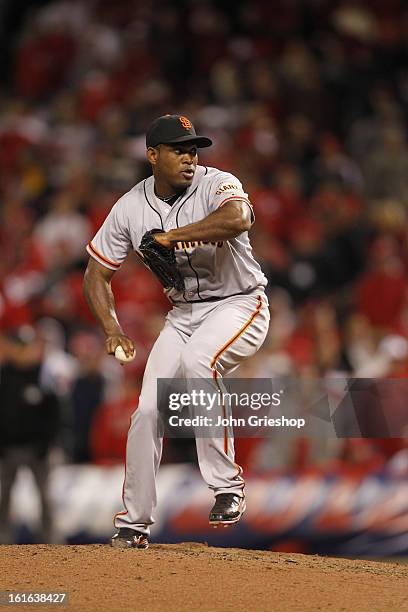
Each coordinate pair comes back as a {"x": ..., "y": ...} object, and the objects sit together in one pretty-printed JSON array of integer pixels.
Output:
[{"x": 173, "y": 165}]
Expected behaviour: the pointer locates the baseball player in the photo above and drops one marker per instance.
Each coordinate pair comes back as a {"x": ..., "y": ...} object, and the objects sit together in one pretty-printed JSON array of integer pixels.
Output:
[{"x": 219, "y": 314}]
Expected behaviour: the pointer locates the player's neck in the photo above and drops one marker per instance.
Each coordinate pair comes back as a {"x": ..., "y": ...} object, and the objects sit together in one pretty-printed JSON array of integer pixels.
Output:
[
  {"x": 171, "y": 200},
  {"x": 163, "y": 191},
  {"x": 167, "y": 193}
]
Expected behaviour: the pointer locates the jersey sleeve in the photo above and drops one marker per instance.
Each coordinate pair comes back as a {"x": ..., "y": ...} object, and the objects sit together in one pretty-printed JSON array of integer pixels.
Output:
[
  {"x": 227, "y": 188},
  {"x": 112, "y": 242}
]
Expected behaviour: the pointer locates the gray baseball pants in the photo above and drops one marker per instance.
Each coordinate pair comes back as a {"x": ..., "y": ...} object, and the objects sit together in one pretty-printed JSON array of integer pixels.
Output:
[{"x": 203, "y": 340}]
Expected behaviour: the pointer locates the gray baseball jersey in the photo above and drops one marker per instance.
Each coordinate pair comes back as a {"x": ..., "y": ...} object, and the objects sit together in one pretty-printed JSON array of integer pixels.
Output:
[{"x": 210, "y": 270}]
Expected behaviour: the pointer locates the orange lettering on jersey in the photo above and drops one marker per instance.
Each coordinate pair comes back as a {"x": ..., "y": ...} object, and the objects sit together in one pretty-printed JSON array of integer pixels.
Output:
[
  {"x": 183, "y": 246},
  {"x": 186, "y": 123},
  {"x": 229, "y": 187}
]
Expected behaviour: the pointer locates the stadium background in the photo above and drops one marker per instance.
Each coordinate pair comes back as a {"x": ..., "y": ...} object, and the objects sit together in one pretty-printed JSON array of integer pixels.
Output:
[{"x": 307, "y": 104}]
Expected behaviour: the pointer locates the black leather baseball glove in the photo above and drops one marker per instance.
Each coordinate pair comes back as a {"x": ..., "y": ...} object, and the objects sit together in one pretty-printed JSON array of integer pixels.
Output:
[{"x": 161, "y": 261}]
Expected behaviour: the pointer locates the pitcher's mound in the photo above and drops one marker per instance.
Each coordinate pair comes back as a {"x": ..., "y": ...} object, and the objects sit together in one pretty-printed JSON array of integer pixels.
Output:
[{"x": 193, "y": 577}]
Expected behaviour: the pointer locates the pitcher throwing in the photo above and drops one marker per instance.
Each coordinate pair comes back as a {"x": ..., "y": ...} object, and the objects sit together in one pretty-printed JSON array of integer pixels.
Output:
[{"x": 219, "y": 316}]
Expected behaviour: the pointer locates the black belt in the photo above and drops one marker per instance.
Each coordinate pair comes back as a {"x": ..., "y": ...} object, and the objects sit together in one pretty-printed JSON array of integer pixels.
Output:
[{"x": 214, "y": 298}]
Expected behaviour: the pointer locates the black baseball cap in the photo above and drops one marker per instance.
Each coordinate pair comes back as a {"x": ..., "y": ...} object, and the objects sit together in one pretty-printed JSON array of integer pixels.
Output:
[{"x": 171, "y": 129}]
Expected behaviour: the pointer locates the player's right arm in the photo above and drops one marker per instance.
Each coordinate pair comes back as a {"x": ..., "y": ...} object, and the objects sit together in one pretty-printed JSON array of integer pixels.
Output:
[{"x": 99, "y": 296}]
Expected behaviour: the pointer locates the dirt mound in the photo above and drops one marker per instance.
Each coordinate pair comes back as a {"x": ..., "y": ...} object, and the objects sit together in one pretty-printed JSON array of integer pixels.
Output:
[{"x": 193, "y": 577}]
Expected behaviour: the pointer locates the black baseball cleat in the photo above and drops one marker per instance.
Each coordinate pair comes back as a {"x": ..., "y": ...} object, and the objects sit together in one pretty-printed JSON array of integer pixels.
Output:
[
  {"x": 227, "y": 510},
  {"x": 129, "y": 538}
]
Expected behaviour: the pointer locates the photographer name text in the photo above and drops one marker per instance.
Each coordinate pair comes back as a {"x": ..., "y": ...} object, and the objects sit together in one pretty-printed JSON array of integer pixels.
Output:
[{"x": 252, "y": 420}]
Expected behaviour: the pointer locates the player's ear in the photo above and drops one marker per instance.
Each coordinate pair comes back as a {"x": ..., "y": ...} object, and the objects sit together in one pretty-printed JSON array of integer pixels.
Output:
[{"x": 152, "y": 154}]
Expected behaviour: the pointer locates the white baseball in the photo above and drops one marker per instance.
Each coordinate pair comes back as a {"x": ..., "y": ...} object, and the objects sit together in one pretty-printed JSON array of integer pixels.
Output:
[{"x": 121, "y": 355}]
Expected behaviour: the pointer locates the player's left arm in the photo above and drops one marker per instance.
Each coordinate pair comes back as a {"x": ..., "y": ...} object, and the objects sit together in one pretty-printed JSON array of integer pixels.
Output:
[{"x": 225, "y": 223}]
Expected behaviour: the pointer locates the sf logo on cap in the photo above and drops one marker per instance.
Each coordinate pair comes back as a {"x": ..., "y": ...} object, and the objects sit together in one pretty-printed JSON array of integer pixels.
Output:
[{"x": 186, "y": 123}]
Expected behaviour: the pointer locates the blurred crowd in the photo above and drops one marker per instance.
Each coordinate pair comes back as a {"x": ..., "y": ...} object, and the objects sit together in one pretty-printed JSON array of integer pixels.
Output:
[{"x": 306, "y": 102}]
